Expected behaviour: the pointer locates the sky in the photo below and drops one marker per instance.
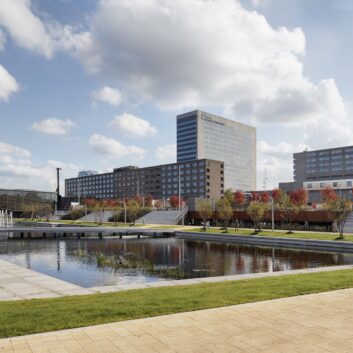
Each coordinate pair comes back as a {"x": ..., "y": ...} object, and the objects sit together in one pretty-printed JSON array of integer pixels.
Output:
[{"x": 97, "y": 84}]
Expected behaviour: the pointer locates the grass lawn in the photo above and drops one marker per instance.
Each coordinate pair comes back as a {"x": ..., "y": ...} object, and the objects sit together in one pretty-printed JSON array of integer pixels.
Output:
[
  {"x": 41, "y": 315},
  {"x": 269, "y": 233}
]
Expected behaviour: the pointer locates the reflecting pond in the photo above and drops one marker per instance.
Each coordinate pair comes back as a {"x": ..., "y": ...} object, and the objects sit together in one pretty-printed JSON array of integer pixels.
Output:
[{"x": 93, "y": 262}]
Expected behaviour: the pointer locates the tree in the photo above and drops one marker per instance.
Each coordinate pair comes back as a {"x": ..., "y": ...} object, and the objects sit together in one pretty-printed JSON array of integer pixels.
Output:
[
  {"x": 174, "y": 201},
  {"x": 328, "y": 194},
  {"x": 290, "y": 204},
  {"x": 255, "y": 196},
  {"x": 133, "y": 209},
  {"x": 225, "y": 211},
  {"x": 148, "y": 201},
  {"x": 276, "y": 195},
  {"x": 37, "y": 209},
  {"x": 338, "y": 209},
  {"x": 239, "y": 199},
  {"x": 265, "y": 197},
  {"x": 228, "y": 194},
  {"x": 299, "y": 198},
  {"x": 204, "y": 207},
  {"x": 117, "y": 210},
  {"x": 256, "y": 212}
]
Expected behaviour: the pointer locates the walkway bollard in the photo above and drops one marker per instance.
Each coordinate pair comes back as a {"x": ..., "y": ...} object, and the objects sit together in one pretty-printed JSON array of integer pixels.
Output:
[
  {"x": 44, "y": 235},
  {"x": 100, "y": 235},
  {"x": 120, "y": 236},
  {"x": 21, "y": 235}
]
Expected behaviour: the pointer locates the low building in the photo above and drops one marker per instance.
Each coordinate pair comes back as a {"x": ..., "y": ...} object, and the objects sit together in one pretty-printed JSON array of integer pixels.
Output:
[
  {"x": 198, "y": 178},
  {"x": 319, "y": 169},
  {"x": 16, "y": 200}
]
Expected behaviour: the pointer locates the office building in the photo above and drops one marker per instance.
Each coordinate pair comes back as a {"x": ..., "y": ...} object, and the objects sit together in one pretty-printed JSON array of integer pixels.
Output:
[
  {"x": 198, "y": 178},
  {"x": 17, "y": 200},
  {"x": 319, "y": 169},
  {"x": 98, "y": 186},
  {"x": 202, "y": 135}
]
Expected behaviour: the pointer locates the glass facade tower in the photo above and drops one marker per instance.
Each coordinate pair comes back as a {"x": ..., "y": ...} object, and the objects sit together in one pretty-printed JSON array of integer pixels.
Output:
[{"x": 203, "y": 135}]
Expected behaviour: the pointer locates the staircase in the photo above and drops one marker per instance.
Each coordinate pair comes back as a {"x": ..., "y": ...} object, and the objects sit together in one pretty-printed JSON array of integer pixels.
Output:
[
  {"x": 94, "y": 217},
  {"x": 163, "y": 217},
  {"x": 348, "y": 227}
]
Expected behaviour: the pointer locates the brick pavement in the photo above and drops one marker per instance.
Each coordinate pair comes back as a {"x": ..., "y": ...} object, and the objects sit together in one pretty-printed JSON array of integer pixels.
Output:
[{"x": 311, "y": 323}]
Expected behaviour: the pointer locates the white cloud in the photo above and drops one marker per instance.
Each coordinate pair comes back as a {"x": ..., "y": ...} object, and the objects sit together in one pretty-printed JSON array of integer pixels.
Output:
[
  {"x": 7, "y": 149},
  {"x": 17, "y": 170},
  {"x": 26, "y": 29},
  {"x": 132, "y": 125},
  {"x": 2, "y": 40},
  {"x": 108, "y": 95},
  {"x": 41, "y": 34},
  {"x": 230, "y": 58},
  {"x": 8, "y": 85},
  {"x": 113, "y": 148},
  {"x": 166, "y": 153},
  {"x": 53, "y": 126}
]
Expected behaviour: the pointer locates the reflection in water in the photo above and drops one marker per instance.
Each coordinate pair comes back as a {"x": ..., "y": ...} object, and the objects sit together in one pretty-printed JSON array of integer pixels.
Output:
[{"x": 93, "y": 262}]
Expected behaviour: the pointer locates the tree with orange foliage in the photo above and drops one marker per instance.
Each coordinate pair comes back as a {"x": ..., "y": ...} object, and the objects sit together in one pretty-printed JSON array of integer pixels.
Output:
[
  {"x": 290, "y": 204},
  {"x": 265, "y": 197},
  {"x": 174, "y": 201},
  {"x": 276, "y": 195},
  {"x": 239, "y": 199},
  {"x": 328, "y": 194},
  {"x": 299, "y": 197}
]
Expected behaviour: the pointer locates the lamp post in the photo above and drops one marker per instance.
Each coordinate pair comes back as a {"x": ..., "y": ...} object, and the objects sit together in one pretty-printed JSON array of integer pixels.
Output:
[
  {"x": 179, "y": 186},
  {"x": 272, "y": 213}
]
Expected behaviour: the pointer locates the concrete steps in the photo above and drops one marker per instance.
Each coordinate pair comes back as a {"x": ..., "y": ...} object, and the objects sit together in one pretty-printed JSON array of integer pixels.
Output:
[
  {"x": 94, "y": 217},
  {"x": 348, "y": 228},
  {"x": 162, "y": 217}
]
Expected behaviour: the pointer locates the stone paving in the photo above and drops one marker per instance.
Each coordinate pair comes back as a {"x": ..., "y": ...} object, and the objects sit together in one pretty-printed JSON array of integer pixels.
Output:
[
  {"x": 17, "y": 282},
  {"x": 311, "y": 323}
]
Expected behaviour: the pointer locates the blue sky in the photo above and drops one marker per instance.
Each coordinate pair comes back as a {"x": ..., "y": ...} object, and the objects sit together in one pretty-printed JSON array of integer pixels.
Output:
[{"x": 97, "y": 84}]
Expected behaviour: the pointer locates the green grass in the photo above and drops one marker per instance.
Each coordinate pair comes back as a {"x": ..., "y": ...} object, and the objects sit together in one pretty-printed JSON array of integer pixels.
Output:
[
  {"x": 41, "y": 315},
  {"x": 277, "y": 233}
]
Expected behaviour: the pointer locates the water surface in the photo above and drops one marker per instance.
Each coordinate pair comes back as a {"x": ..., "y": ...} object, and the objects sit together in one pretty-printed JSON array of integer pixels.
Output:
[{"x": 93, "y": 262}]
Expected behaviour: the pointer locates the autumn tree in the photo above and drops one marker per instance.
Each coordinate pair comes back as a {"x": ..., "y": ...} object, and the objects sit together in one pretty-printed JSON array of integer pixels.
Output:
[
  {"x": 265, "y": 197},
  {"x": 239, "y": 199},
  {"x": 224, "y": 211},
  {"x": 290, "y": 204},
  {"x": 257, "y": 211},
  {"x": 175, "y": 201},
  {"x": 276, "y": 195},
  {"x": 204, "y": 207},
  {"x": 148, "y": 201},
  {"x": 328, "y": 194}
]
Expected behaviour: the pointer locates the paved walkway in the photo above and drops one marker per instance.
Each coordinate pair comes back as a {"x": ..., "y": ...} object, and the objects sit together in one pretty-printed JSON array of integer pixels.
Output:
[
  {"x": 17, "y": 282},
  {"x": 311, "y": 323}
]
